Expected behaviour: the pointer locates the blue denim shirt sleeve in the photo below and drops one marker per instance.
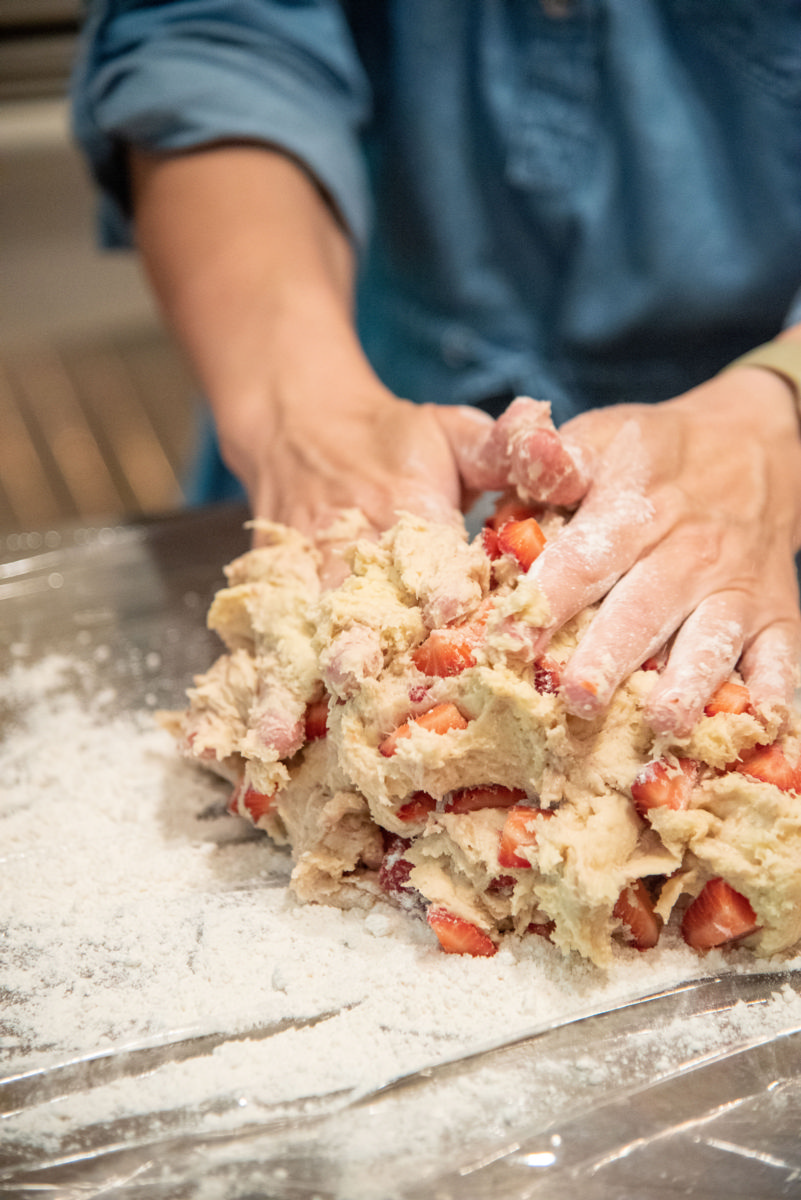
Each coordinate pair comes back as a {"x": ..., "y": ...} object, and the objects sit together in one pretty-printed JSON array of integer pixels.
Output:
[
  {"x": 591, "y": 202},
  {"x": 187, "y": 73}
]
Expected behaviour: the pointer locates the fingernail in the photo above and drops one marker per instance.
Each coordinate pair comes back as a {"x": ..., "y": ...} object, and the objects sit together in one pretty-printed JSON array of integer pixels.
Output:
[{"x": 581, "y": 699}]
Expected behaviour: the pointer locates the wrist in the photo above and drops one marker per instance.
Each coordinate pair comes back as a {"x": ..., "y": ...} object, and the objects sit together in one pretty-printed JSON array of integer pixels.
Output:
[{"x": 782, "y": 357}]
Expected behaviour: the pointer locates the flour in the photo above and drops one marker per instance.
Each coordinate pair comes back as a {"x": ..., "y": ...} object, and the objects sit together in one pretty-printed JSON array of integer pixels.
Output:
[{"x": 135, "y": 911}]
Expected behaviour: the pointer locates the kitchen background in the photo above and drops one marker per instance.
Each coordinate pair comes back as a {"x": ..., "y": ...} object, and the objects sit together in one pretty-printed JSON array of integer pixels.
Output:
[{"x": 96, "y": 407}]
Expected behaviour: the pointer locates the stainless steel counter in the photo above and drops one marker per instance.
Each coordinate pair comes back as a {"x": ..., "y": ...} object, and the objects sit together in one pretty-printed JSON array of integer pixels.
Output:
[{"x": 608, "y": 1105}]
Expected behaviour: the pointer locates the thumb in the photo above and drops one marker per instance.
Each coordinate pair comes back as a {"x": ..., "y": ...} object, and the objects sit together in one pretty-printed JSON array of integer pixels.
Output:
[{"x": 468, "y": 432}]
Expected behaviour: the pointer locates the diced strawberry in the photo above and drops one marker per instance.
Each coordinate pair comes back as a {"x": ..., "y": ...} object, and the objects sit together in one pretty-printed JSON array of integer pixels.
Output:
[
  {"x": 439, "y": 719},
  {"x": 729, "y": 698},
  {"x": 394, "y": 872},
  {"x": 489, "y": 795},
  {"x": 524, "y": 540},
  {"x": 662, "y": 784},
  {"x": 520, "y": 829},
  {"x": 769, "y": 764},
  {"x": 417, "y": 807},
  {"x": 457, "y": 936},
  {"x": 501, "y": 883},
  {"x": 716, "y": 916},
  {"x": 541, "y": 928},
  {"x": 316, "y": 719},
  {"x": 256, "y": 804},
  {"x": 418, "y": 693},
  {"x": 489, "y": 540},
  {"x": 547, "y": 675},
  {"x": 445, "y": 652},
  {"x": 654, "y": 663},
  {"x": 509, "y": 508},
  {"x": 635, "y": 908}
]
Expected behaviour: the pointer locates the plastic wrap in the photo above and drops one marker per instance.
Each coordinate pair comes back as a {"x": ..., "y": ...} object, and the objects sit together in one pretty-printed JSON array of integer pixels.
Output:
[{"x": 692, "y": 1091}]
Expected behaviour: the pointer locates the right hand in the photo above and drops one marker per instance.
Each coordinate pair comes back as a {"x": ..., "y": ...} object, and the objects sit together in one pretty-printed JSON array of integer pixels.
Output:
[{"x": 326, "y": 435}]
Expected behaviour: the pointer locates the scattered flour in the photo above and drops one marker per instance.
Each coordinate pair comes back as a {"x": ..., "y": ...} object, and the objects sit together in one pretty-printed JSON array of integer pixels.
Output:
[{"x": 135, "y": 911}]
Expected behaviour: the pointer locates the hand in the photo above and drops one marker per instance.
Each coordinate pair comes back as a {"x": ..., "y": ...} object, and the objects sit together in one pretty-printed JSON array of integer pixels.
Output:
[
  {"x": 320, "y": 434},
  {"x": 255, "y": 272},
  {"x": 689, "y": 515}
]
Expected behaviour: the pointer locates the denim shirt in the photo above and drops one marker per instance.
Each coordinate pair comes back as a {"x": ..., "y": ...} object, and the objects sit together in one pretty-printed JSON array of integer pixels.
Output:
[{"x": 587, "y": 201}]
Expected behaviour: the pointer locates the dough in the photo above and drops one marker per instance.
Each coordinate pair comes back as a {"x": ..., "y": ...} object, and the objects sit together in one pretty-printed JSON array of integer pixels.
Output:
[{"x": 313, "y": 714}]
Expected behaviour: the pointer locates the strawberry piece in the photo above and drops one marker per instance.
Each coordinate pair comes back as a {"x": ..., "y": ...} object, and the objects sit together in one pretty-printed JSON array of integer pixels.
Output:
[
  {"x": 439, "y": 719},
  {"x": 662, "y": 784},
  {"x": 417, "y": 807},
  {"x": 508, "y": 508},
  {"x": 541, "y": 928},
  {"x": 255, "y": 804},
  {"x": 489, "y": 540},
  {"x": 457, "y": 936},
  {"x": 769, "y": 764},
  {"x": 394, "y": 872},
  {"x": 524, "y": 540},
  {"x": 654, "y": 663},
  {"x": 489, "y": 795},
  {"x": 547, "y": 675},
  {"x": 501, "y": 883},
  {"x": 716, "y": 916},
  {"x": 519, "y": 830},
  {"x": 445, "y": 652},
  {"x": 316, "y": 719},
  {"x": 729, "y": 698},
  {"x": 635, "y": 908}
]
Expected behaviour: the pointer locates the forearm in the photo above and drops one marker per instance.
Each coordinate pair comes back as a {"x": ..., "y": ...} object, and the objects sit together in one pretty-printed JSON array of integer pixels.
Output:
[
  {"x": 255, "y": 275},
  {"x": 252, "y": 270}
]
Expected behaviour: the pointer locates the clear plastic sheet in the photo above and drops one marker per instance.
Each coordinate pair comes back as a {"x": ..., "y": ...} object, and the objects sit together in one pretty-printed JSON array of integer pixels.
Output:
[{"x": 686, "y": 1092}]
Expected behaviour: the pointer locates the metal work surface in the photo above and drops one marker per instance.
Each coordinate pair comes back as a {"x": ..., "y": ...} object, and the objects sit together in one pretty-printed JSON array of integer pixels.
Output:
[{"x": 604, "y": 1104}]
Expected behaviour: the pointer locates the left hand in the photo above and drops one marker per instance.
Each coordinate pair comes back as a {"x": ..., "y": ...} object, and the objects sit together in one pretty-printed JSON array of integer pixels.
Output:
[{"x": 689, "y": 514}]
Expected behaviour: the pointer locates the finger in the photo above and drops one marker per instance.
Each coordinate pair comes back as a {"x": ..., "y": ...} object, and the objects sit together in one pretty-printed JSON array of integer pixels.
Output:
[
  {"x": 770, "y": 669},
  {"x": 469, "y": 431},
  {"x": 704, "y": 654},
  {"x": 635, "y": 620},
  {"x": 524, "y": 450},
  {"x": 638, "y": 616},
  {"x": 614, "y": 527}
]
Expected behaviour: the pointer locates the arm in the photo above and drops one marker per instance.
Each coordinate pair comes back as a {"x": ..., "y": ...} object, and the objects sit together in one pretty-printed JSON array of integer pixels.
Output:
[{"x": 255, "y": 275}]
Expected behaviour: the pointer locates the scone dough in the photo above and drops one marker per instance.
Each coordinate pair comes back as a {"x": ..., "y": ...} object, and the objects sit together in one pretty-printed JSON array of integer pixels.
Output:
[{"x": 347, "y": 807}]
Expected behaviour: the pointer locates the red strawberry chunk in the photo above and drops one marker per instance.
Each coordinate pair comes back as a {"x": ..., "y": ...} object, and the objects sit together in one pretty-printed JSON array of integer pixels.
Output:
[
  {"x": 445, "y": 652},
  {"x": 394, "y": 872},
  {"x": 509, "y": 508},
  {"x": 316, "y": 719},
  {"x": 541, "y": 928},
  {"x": 502, "y": 884},
  {"x": 417, "y": 807},
  {"x": 519, "y": 830},
  {"x": 246, "y": 800},
  {"x": 635, "y": 909},
  {"x": 524, "y": 540},
  {"x": 547, "y": 675},
  {"x": 489, "y": 540},
  {"x": 729, "y": 698},
  {"x": 489, "y": 795},
  {"x": 439, "y": 719},
  {"x": 458, "y": 936},
  {"x": 716, "y": 916},
  {"x": 662, "y": 784},
  {"x": 769, "y": 764}
]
